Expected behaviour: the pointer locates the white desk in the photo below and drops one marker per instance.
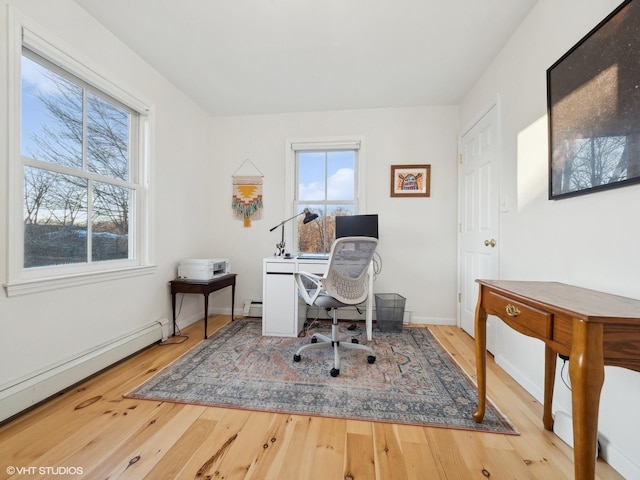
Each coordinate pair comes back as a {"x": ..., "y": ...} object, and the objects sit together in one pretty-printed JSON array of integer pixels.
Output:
[{"x": 283, "y": 311}]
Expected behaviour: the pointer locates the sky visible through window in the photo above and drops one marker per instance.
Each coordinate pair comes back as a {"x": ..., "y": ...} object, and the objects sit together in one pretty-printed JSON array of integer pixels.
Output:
[
  {"x": 326, "y": 176},
  {"x": 34, "y": 114}
]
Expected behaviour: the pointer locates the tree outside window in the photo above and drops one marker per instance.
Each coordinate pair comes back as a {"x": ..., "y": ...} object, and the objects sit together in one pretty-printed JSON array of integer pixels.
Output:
[{"x": 76, "y": 152}]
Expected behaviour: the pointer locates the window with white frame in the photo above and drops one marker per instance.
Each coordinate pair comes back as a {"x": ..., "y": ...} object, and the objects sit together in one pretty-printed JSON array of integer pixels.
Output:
[
  {"x": 326, "y": 183},
  {"x": 78, "y": 168}
]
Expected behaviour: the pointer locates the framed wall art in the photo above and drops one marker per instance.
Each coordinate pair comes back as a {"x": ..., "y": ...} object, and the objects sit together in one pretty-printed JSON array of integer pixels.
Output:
[
  {"x": 410, "y": 180},
  {"x": 593, "y": 108}
]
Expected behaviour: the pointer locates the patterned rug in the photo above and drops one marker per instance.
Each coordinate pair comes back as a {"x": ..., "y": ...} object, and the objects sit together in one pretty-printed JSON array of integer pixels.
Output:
[{"x": 413, "y": 380}]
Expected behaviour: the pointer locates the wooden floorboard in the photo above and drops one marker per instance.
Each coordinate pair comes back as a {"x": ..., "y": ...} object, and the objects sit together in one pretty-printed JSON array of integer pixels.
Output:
[{"x": 92, "y": 428}]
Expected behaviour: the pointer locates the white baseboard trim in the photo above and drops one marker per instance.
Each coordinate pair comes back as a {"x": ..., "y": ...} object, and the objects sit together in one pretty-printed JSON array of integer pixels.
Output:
[
  {"x": 433, "y": 321},
  {"x": 253, "y": 308},
  {"x": 563, "y": 427},
  {"x": 408, "y": 318},
  {"x": 38, "y": 386},
  {"x": 527, "y": 384},
  {"x": 348, "y": 313},
  {"x": 617, "y": 460}
]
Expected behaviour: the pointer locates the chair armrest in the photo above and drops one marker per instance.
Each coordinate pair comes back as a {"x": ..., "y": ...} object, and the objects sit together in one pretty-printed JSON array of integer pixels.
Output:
[{"x": 302, "y": 290}]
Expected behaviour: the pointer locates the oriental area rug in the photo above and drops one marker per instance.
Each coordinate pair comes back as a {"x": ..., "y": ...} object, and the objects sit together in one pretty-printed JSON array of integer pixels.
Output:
[{"x": 413, "y": 380}]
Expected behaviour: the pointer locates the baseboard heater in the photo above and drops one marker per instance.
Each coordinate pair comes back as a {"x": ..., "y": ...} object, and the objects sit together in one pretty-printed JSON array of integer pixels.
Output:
[
  {"x": 252, "y": 308},
  {"x": 39, "y": 386}
]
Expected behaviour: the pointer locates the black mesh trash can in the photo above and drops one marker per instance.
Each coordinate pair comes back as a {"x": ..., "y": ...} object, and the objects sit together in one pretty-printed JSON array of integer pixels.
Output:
[{"x": 389, "y": 311}]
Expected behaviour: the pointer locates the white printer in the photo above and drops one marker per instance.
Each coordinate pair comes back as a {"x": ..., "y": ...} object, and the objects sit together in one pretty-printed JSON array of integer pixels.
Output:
[{"x": 203, "y": 268}]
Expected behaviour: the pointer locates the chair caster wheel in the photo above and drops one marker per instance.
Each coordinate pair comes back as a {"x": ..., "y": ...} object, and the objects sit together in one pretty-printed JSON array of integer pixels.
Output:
[
  {"x": 296, "y": 358},
  {"x": 335, "y": 372},
  {"x": 314, "y": 340},
  {"x": 371, "y": 359},
  {"x": 354, "y": 340}
]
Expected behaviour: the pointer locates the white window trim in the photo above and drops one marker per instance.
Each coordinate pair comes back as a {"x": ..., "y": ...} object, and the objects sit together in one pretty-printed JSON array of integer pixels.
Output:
[
  {"x": 23, "y": 32},
  {"x": 293, "y": 145}
]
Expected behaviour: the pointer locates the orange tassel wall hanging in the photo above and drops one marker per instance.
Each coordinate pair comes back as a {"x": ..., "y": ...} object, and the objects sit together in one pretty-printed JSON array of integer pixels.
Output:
[{"x": 247, "y": 197}]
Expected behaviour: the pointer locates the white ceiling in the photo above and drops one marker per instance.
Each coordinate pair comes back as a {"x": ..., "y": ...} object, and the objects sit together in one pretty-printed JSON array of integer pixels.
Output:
[{"x": 236, "y": 57}]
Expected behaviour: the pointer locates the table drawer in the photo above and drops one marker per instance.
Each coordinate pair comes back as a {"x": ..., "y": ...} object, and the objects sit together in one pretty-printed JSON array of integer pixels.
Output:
[
  {"x": 280, "y": 267},
  {"x": 538, "y": 322},
  {"x": 311, "y": 267}
]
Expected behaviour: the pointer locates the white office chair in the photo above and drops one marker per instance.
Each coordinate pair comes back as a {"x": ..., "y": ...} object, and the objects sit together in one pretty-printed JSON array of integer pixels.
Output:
[{"x": 345, "y": 283}]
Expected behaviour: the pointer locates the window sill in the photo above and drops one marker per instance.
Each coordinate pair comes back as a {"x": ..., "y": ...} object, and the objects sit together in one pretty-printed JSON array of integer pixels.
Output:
[{"x": 27, "y": 287}]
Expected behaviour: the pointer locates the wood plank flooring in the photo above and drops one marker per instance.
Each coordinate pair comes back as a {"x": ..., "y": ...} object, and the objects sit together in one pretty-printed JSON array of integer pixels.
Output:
[{"x": 92, "y": 432}]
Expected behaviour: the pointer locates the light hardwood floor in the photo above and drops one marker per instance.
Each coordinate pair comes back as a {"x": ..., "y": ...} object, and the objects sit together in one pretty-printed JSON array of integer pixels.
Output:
[{"x": 92, "y": 429}]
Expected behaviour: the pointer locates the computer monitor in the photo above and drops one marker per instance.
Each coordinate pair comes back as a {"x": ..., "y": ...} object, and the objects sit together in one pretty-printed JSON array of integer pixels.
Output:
[{"x": 357, "y": 226}]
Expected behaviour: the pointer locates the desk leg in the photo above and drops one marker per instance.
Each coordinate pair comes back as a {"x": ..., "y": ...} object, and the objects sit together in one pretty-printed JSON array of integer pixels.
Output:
[
  {"x": 586, "y": 370},
  {"x": 550, "y": 358},
  {"x": 481, "y": 359},
  {"x": 173, "y": 307},
  {"x": 233, "y": 298},
  {"x": 369, "y": 305},
  {"x": 206, "y": 313}
]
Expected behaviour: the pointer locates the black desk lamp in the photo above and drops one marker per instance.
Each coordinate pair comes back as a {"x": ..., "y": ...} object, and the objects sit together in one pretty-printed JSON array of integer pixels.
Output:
[{"x": 308, "y": 217}]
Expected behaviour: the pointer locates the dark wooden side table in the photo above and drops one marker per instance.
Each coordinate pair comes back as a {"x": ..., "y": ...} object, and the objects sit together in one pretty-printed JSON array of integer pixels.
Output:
[{"x": 203, "y": 287}]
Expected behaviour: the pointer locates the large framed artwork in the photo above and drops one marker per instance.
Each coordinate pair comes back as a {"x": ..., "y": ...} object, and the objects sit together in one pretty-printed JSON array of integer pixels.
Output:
[{"x": 593, "y": 107}]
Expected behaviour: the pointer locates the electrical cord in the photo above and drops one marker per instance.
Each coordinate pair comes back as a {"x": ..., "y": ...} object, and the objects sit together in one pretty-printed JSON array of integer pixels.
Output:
[
  {"x": 307, "y": 325},
  {"x": 350, "y": 330},
  {"x": 377, "y": 264},
  {"x": 566, "y": 381},
  {"x": 183, "y": 338}
]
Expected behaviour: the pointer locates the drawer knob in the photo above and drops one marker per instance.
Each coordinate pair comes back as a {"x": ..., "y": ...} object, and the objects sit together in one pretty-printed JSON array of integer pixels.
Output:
[{"x": 512, "y": 310}]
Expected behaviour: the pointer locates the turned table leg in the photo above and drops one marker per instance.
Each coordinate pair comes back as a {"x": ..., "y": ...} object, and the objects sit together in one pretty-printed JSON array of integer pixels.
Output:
[
  {"x": 481, "y": 359},
  {"x": 550, "y": 357},
  {"x": 586, "y": 370}
]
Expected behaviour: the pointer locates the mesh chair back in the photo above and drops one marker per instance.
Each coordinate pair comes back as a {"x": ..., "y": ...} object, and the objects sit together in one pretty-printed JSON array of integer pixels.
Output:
[{"x": 346, "y": 279}]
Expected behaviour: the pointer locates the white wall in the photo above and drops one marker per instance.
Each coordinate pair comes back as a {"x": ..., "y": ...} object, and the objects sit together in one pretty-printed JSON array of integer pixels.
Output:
[
  {"x": 195, "y": 156},
  {"x": 417, "y": 235},
  {"x": 40, "y": 330},
  {"x": 193, "y": 159},
  {"x": 591, "y": 241}
]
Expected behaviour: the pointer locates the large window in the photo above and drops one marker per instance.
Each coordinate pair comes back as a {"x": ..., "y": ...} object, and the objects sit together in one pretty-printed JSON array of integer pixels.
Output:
[
  {"x": 78, "y": 187},
  {"x": 326, "y": 183},
  {"x": 78, "y": 170}
]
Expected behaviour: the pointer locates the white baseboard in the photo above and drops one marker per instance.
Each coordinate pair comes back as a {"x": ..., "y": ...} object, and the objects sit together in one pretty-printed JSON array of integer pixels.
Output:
[
  {"x": 350, "y": 313},
  {"x": 527, "y": 384},
  {"x": 433, "y": 321},
  {"x": 563, "y": 427},
  {"x": 618, "y": 461},
  {"x": 28, "y": 391},
  {"x": 253, "y": 308}
]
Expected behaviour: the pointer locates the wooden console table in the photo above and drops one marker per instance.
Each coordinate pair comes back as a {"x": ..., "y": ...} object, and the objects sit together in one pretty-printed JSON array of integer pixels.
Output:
[
  {"x": 593, "y": 328},
  {"x": 204, "y": 287}
]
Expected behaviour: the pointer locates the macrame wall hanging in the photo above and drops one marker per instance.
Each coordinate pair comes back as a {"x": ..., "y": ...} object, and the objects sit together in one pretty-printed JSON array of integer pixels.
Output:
[{"x": 247, "y": 193}]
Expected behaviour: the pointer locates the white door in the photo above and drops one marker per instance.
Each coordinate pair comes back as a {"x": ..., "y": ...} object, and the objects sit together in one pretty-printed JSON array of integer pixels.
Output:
[{"x": 479, "y": 203}]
